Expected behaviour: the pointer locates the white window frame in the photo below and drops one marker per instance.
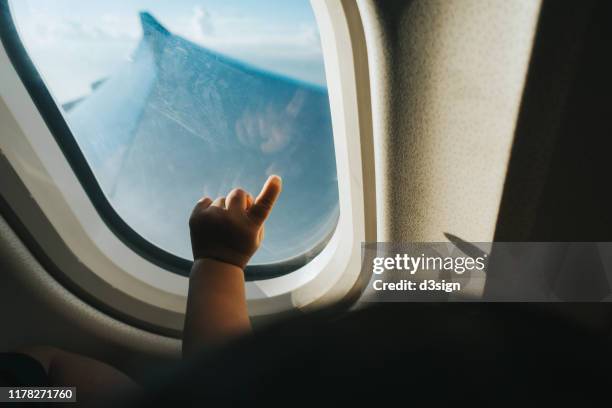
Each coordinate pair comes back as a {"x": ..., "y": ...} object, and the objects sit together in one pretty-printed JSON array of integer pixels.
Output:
[{"x": 37, "y": 159}]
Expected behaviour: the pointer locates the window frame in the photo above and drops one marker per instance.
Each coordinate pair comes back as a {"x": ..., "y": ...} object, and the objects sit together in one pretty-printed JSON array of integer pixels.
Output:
[
  {"x": 57, "y": 123},
  {"x": 67, "y": 192}
]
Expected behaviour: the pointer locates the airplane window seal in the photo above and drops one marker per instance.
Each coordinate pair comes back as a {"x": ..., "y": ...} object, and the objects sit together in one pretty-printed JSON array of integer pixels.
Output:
[{"x": 54, "y": 119}]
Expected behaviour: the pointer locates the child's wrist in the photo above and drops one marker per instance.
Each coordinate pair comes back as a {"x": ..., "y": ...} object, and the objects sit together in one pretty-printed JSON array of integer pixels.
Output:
[
  {"x": 224, "y": 256},
  {"x": 209, "y": 265}
]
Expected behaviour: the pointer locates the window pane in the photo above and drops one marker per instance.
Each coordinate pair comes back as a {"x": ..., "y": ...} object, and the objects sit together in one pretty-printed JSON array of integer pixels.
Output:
[{"x": 169, "y": 101}]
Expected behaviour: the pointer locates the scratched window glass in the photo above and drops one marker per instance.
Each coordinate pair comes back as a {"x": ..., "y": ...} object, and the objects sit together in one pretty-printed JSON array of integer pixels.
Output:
[{"x": 170, "y": 101}]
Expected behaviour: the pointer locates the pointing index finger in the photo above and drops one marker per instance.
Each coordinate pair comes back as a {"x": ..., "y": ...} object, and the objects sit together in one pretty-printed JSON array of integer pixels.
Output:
[{"x": 261, "y": 208}]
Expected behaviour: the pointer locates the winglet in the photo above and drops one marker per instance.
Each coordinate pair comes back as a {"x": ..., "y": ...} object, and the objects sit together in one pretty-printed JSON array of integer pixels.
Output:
[{"x": 150, "y": 25}]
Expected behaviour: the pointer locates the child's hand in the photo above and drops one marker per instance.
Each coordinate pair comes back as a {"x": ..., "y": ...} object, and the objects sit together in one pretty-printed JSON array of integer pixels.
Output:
[{"x": 231, "y": 229}]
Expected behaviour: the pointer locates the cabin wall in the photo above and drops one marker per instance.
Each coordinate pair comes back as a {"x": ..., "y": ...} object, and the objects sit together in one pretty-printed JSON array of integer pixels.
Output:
[{"x": 447, "y": 79}]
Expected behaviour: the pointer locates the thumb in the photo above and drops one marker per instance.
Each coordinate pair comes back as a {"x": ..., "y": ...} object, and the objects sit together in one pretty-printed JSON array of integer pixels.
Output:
[{"x": 261, "y": 208}]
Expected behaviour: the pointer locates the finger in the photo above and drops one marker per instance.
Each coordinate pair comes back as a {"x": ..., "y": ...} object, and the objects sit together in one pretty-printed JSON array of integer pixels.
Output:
[
  {"x": 219, "y": 202},
  {"x": 250, "y": 201},
  {"x": 236, "y": 200},
  {"x": 261, "y": 208},
  {"x": 204, "y": 203}
]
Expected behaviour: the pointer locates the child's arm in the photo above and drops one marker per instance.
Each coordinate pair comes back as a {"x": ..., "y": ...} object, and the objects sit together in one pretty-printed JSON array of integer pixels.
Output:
[{"x": 224, "y": 236}]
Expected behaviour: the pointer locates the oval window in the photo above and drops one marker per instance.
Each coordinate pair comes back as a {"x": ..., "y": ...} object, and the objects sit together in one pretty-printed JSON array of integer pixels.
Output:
[{"x": 170, "y": 101}]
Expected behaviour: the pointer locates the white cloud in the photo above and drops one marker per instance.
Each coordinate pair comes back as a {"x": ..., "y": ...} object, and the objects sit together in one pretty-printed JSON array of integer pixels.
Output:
[
  {"x": 238, "y": 34},
  {"x": 201, "y": 22},
  {"x": 116, "y": 27},
  {"x": 276, "y": 45},
  {"x": 46, "y": 29},
  {"x": 279, "y": 46},
  {"x": 72, "y": 51}
]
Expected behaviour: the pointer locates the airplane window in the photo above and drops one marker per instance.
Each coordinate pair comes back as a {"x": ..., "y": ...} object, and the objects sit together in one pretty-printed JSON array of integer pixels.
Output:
[{"x": 170, "y": 101}]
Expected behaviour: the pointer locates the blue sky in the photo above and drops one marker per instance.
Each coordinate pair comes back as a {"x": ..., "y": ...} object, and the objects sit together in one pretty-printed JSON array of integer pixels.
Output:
[{"x": 76, "y": 42}]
